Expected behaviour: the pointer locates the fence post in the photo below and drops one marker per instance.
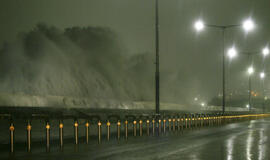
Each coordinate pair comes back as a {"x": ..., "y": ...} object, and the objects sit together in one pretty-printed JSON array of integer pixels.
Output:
[
  {"x": 48, "y": 136},
  {"x": 99, "y": 132},
  {"x": 126, "y": 129},
  {"x": 29, "y": 127},
  {"x": 76, "y": 131},
  {"x": 61, "y": 126},
  {"x": 118, "y": 130},
  {"x": 11, "y": 129},
  {"x": 87, "y": 132}
]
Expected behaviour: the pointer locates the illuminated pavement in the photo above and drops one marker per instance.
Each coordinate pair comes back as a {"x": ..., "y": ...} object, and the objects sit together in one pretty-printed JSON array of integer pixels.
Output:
[{"x": 247, "y": 140}]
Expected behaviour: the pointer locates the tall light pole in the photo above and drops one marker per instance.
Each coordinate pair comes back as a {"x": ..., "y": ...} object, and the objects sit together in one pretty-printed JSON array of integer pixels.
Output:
[
  {"x": 250, "y": 72},
  {"x": 262, "y": 75},
  {"x": 264, "y": 52},
  {"x": 157, "y": 60},
  {"x": 247, "y": 25}
]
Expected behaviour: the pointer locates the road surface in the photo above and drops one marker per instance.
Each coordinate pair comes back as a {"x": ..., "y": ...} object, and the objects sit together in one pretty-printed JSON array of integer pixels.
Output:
[{"x": 247, "y": 140}]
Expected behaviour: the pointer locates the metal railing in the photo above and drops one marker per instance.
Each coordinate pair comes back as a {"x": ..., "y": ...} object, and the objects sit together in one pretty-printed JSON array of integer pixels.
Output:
[{"x": 142, "y": 124}]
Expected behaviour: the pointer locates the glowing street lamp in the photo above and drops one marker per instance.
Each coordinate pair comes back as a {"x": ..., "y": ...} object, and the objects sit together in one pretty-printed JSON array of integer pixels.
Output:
[
  {"x": 232, "y": 53},
  {"x": 248, "y": 25},
  {"x": 250, "y": 70},
  {"x": 199, "y": 25},
  {"x": 265, "y": 51},
  {"x": 262, "y": 75}
]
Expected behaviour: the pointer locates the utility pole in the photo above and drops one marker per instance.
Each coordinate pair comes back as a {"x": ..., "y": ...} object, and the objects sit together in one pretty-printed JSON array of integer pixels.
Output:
[
  {"x": 263, "y": 95},
  {"x": 157, "y": 60},
  {"x": 223, "y": 72},
  {"x": 249, "y": 92}
]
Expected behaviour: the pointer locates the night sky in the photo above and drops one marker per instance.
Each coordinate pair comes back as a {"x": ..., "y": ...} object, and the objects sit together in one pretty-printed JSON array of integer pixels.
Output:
[{"x": 190, "y": 61}]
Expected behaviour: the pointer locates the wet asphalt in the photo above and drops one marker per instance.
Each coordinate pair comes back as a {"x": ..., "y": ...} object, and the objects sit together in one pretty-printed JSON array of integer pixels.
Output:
[{"x": 248, "y": 140}]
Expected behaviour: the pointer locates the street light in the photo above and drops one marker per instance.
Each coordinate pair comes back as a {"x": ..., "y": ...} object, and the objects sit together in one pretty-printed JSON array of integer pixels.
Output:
[
  {"x": 262, "y": 75},
  {"x": 265, "y": 51},
  {"x": 199, "y": 25},
  {"x": 247, "y": 25},
  {"x": 250, "y": 70},
  {"x": 232, "y": 53}
]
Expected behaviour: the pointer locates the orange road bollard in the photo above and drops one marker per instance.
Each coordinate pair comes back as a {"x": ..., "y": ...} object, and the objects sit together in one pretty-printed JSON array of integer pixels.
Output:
[
  {"x": 148, "y": 127},
  {"x": 61, "y": 126},
  {"x": 201, "y": 120},
  {"x": 48, "y": 137},
  {"x": 11, "y": 129},
  {"x": 126, "y": 129},
  {"x": 182, "y": 124},
  {"x": 170, "y": 125},
  {"x": 186, "y": 122},
  {"x": 153, "y": 127},
  {"x": 118, "y": 130},
  {"x": 87, "y": 124},
  {"x": 134, "y": 128},
  {"x": 76, "y": 131},
  {"x": 209, "y": 120},
  {"x": 178, "y": 124},
  {"x": 192, "y": 122},
  {"x": 29, "y": 127},
  {"x": 189, "y": 122},
  {"x": 108, "y": 130},
  {"x": 173, "y": 124},
  {"x": 205, "y": 121},
  {"x": 164, "y": 126},
  {"x": 196, "y": 121},
  {"x": 141, "y": 129},
  {"x": 99, "y": 132},
  {"x": 159, "y": 126}
]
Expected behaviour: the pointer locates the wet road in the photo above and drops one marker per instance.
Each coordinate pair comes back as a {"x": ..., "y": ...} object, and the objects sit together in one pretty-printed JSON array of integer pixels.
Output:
[{"x": 247, "y": 140}]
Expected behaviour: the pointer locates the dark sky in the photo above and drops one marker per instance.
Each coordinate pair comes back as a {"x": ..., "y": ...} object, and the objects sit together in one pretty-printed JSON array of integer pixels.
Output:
[{"x": 197, "y": 57}]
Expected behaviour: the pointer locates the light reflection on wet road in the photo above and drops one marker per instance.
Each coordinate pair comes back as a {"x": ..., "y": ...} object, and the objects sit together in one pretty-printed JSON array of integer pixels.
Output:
[{"x": 238, "y": 141}]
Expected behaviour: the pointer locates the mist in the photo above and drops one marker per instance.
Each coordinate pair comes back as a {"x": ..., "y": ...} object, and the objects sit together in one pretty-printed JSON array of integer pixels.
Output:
[{"x": 84, "y": 62}]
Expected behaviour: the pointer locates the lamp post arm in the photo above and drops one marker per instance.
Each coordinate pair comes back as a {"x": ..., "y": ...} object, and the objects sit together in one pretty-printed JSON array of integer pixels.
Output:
[
  {"x": 223, "y": 27},
  {"x": 249, "y": 53}
]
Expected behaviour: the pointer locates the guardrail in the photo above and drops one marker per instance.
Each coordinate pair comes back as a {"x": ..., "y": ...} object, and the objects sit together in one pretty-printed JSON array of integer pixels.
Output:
[{"x": 142, "y": 124}]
